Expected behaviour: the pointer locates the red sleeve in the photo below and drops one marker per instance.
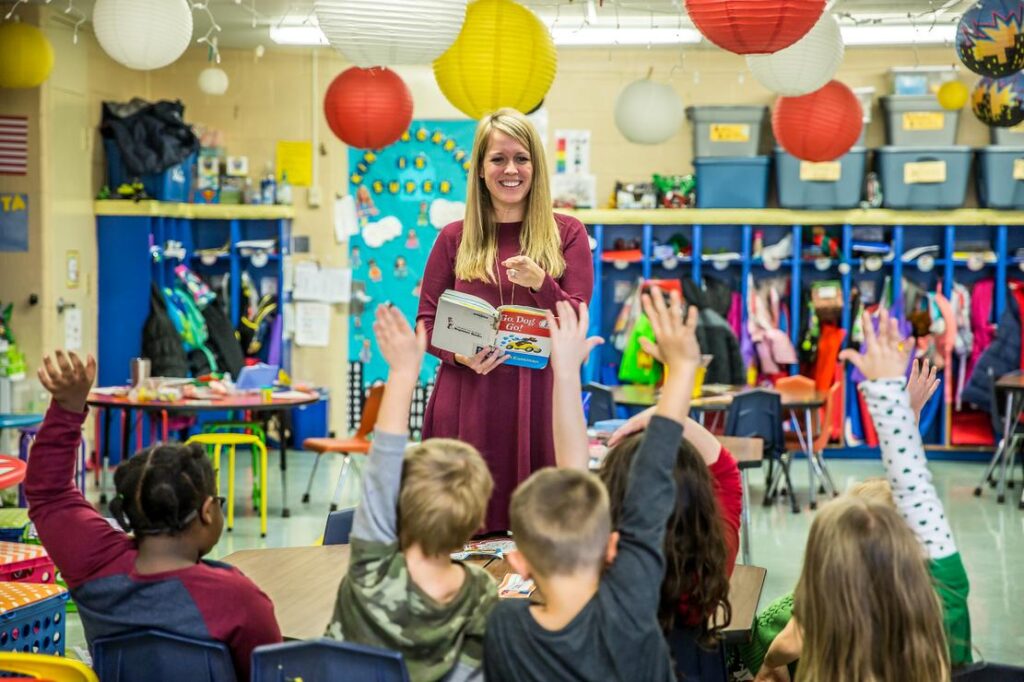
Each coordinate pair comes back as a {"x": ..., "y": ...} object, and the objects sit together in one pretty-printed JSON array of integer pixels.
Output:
[
  {"x": 729, "y": 492},
  {"x": 80, "y": 542},
  {"x": 258, "y": 627},
  {"x": 438, "y": 275},
  {"x": 576, "y": 284}
]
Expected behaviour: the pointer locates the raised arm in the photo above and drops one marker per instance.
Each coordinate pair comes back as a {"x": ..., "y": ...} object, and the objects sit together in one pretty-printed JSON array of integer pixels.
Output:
[
  {"x": 570, "y": 348},
  {"x": 376, "y": 517}
]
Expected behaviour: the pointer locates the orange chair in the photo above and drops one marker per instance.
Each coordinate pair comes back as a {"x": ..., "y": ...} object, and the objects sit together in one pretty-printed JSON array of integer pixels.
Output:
[
  {"x": 821, "y": 433},
  {"x": 358, "y": 444}
]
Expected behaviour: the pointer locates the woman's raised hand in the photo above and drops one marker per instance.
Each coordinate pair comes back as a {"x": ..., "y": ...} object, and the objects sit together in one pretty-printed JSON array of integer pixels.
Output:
[{"x": 524, "y": 272}]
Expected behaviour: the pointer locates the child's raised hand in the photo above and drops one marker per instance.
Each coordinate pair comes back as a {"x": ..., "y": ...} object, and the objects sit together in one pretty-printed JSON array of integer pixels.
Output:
[
  {"x": 67, "y": 379},
  {"x": 923, "y": 382},
  {"x": 570, "y": 346},
  {"x": 402, "y": 348},
  {"x": 885, "y": 354},
  {"x": 675, "y": 337}
]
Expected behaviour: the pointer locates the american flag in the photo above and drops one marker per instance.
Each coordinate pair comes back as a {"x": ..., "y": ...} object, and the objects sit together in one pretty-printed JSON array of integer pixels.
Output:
[{"x": 13, "y": 145}]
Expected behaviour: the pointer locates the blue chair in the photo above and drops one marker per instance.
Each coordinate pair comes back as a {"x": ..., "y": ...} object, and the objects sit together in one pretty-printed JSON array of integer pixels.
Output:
[
  {"x": 155, "y": 656},
  {"x": 324, "y": 659},
  {"x": 758, "y": 414},
  {"x": 602, "y": 403},
  {"x": 989, "y": 672},
  {"x": 339, "y": 526}
]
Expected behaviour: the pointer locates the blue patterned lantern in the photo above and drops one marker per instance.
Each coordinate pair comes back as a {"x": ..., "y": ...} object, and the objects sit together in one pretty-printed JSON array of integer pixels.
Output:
[
  {"x": 990, "y": 38},
  {"x": 999, "y": 101}
]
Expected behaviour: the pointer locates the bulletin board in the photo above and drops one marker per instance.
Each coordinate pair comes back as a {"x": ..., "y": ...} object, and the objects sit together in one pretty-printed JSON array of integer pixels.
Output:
[{"x": 404, "y": 195}]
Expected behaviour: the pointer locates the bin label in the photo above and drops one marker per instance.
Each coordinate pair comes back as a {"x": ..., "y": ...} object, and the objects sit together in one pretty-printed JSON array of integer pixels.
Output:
[
  {"x": 924, "y": 120},
  {"x": 730, "y": 132},
  {"x": 924, "y": 172},
  {"x": 1018, "y": 169},
  {"x": 825, "y": 171}
]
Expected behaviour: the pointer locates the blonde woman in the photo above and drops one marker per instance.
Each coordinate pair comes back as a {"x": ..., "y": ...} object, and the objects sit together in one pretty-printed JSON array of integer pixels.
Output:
[{"x": 510, "y": 249}]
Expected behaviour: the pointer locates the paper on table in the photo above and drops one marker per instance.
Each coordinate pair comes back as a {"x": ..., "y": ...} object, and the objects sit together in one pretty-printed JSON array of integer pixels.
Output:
[{"x": 312, "y": 324}]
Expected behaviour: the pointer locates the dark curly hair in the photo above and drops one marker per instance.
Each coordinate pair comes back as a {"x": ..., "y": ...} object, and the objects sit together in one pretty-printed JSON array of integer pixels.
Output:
[
  {"x": 695, "y": 550},
  {"x": 161, "y": 489}
]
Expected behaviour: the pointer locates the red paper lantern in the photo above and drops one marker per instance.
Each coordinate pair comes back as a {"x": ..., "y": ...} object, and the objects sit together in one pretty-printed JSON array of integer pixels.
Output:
[
  {"x": 368, "y": 108},
  {"x": 820, "y": 126},
  {"x": 754, "y": 26}
]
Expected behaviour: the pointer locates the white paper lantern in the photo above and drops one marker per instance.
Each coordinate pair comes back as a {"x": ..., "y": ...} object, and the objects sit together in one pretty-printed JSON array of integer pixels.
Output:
[
  {"x": 647, "y": 112},
  {"x": 213, "y": 81},
  {"x": 806, "y": 65},
  {"x": 387, "y": 32},
  {"x": 143, "y": 34}
]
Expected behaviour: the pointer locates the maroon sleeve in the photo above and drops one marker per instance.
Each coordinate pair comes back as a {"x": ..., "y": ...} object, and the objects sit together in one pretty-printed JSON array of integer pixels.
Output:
[
  {"x": 576, "y": 284},
  {"x": 438, "y": 275},
  {"x": 729, "y": 492},
  {"x": 80, "y": 542}
]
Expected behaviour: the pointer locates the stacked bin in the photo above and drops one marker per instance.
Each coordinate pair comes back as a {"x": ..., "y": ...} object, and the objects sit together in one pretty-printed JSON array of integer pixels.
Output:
[
  {"x": 1000, "y": 175},
  {"x": 726, "y": 142}
]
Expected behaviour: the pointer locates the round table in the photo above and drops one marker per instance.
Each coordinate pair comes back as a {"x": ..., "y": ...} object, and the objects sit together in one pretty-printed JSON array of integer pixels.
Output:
[{"x": 279, "y": 404}]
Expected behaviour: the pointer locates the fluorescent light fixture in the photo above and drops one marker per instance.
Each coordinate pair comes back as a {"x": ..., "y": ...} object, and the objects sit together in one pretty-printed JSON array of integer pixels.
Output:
[
  {"x": 306, "y": 34},
  {"x": 899, "y": 34},
  {"x": 593, "y": 36}
]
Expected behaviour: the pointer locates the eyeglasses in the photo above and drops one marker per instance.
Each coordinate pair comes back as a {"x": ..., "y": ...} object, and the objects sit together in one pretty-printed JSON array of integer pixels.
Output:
[{"x": 222, "y": 501}]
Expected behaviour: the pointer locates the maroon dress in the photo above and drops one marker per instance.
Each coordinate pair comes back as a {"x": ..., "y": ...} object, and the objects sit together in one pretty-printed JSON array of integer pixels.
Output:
[{"x": 505, "y": 414}]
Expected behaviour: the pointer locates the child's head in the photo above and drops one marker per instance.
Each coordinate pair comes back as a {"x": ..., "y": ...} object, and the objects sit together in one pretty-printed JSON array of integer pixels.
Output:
[
  {"x": 874, "y": 489},
  {"x": 865, "y": 600},
  {"x": 445, "y": 489},
  {"x": 168, "y": 489},
  {"x": 695, "y": 550},
  {"x": 561, "y": 522}
]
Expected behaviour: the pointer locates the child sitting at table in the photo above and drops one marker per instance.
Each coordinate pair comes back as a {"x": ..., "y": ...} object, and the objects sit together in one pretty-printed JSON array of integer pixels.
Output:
[
  {"x": 403, "y": 591},
  {"x": 166, "y": 497},
  {"x": 600, "y": 590}
]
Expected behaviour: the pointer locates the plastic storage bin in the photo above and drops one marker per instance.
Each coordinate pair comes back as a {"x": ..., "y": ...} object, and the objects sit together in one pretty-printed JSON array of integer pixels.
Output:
[
  {"x": 732, "y": 182},
  {"x": 923, "y": 178},
  {"x": 13, "y": 522},
  {"x": 726, "y": 131},
  {"x": 1007, "y": 137},
  {"x": 918, "y": 121},
  {"x": 1000, "y": 177},
  {"x": 310, "y": 421},
  {"x": 174, "y": 184},
  {"x": 833, "y": 184},
  {"x": 32, "y": 618},
  {"x": 24, "y": 563}
]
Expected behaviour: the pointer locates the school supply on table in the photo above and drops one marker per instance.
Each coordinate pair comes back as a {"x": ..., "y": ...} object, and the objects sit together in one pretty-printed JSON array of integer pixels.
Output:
[
  {"x": 466, "y": 324},
  {"x": 485, "y": 549},
  {"x": 515, "y": 586}
]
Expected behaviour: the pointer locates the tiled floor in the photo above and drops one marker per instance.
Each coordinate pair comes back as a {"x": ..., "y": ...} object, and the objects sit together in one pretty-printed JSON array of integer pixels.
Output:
[{"x": 991, "y": 537}]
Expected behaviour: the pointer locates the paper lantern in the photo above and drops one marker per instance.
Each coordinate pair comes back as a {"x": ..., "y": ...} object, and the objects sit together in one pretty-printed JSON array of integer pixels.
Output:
[
  {"x": 213, "y": 81},
  {"x": 804, "y": 66},
  {"x": 368, "y": 108},
  {"x": 820, "y": 126},
  {"x": 647, "y": 112},
  {"x": 503, "y": 57},
  {"x": 388, "y": 32},
  {"x": 952, "y": 95},
  {"x": 989, "y": 38},
  {"x": 143, "y": 34},
  {"x": 754, "y": 26},
  {"x": 26, "y": 56},
  {"x": 999, "y": 101}
]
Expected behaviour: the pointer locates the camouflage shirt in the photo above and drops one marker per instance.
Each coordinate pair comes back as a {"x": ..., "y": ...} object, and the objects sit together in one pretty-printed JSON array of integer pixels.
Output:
[{"x": 379, "y": 604}]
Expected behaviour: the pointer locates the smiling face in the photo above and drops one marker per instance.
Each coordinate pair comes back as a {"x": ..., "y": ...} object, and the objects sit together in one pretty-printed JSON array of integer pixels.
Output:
[{"x": 507, "y": 172}]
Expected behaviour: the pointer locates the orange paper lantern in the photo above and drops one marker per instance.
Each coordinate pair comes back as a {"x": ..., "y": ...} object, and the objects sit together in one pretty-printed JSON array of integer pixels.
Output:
[
  {"x": 754, "y": 26},
  {"x": 368, "y": 108},
  {"x": 820, "y": 126}
]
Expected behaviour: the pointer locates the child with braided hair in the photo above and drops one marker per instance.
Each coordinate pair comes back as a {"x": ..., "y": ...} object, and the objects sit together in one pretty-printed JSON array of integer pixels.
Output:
[{"x": 166, "y": 498}]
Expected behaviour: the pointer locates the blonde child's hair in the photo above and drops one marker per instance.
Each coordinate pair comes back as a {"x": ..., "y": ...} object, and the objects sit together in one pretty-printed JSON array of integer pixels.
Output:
[
  {"x": 561, "y": 521},
  {"x": 874, "y": 489},
  {"x": 865, "y": 600},
  {"x": 445, "y": 489},
  {"x": 539, "y": 239}
]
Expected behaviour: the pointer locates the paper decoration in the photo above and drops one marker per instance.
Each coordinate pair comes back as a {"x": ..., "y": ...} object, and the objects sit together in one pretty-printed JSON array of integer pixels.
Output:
[
  {"x": 754, "y": 26},
  {"x": 13, "y": 145},
  {"x": 806, "y": 65},
  {"x": 143, "y": 34},
  {"x": 647, "y": 112},
  {"x": 999, "y": 101},
  {"x": 572, "y": 151},
  {"x": 952, "y": 95},
  {"x": 368, "y": 108},
  {"x": 295, "y": 159},
  {"x": 213, "y": 81},
  {"x": 821, "y": 126},
  {"x": 26, "y": 56},
  {"x": 990, "y": 38}
]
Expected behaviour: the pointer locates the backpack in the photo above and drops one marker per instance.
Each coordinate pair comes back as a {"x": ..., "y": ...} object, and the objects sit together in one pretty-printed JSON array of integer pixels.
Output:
[
  {"x": 160, "y": 340},
  {"x": 191, "y": 327},
  {"x": 256, "y": 330}
]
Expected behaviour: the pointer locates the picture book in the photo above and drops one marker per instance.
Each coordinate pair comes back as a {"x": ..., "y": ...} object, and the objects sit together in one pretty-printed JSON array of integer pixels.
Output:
[
  {"x": 515, "y": 586},
  {"x": 466, "y": 324},
  {"x": 485, "y": 549}
]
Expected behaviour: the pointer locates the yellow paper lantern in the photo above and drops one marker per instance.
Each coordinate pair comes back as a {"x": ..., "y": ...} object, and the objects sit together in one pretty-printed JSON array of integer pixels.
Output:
[
  {"x": 26, "y": 56},
  {"x": 504, "y": 57},
  {"x": 952, "y": 95}
]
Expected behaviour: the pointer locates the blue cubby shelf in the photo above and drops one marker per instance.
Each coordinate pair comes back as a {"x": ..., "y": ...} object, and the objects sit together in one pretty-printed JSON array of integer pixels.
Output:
[{"x": 716, "y": 230}]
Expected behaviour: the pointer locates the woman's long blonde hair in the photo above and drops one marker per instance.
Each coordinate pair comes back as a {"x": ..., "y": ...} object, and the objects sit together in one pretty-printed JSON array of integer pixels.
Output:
[
  {"x": 539, "y": 238},
  {"x": 865, "y": 601}
]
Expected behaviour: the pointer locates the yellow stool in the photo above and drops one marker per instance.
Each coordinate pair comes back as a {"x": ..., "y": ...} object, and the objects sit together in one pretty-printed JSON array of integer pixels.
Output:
[
  {"x": 232, "y": 440},
  {"x": 46, "y": 667}
]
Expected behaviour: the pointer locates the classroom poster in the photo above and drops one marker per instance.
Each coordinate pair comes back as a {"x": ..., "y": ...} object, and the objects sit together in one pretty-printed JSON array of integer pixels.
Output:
[
  {"x": 404, "y": 195},
  {"x": 13, "y": 222},
  {"x": 295, "y": 158}
]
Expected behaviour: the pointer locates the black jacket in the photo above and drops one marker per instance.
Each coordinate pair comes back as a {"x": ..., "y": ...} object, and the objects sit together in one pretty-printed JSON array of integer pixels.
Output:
[
  {"x": 716, "y": 338},
  {"x": 151, "y": 137},
  {"x": 1001, "y": 357},
  {"x": 161, "y": 342}
]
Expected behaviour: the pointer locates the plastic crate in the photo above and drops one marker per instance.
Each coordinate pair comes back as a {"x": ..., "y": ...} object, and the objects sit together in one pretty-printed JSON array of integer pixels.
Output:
[
  {"x": 1007, "y": 137},
  {"x": 13, "y": 522},
  {"x": 32, "y": 618},
  {"x": 174, "y": 184},
  {"x": 310, "y": 421},
  {"x": 726, "y": 131},
  {"x": 925, "y": 179},
  {"x": 25, "y": 563},
  {"x": 918, "y": 121},
  {"x": 732, "y": 182},
  {"x": 1000, "y": 177},
  {"x": 829, "y": 185},
  {"x": 32, "y": 538}
]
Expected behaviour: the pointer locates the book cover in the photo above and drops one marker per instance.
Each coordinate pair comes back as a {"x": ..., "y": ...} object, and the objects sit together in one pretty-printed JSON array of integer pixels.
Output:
[{"x": 524, "y": 335}]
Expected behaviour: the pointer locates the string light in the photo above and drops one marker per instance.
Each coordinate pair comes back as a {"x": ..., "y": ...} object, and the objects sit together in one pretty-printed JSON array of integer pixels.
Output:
[{"x": 210, "y": 38}]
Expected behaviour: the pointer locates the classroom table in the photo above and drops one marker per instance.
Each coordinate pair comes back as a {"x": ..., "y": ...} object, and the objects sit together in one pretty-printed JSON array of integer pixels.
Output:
[
  {"x": 1013, "y": 385},
  {"x": 303, "y": 584},
  {"x": 278, "y": 406}
]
